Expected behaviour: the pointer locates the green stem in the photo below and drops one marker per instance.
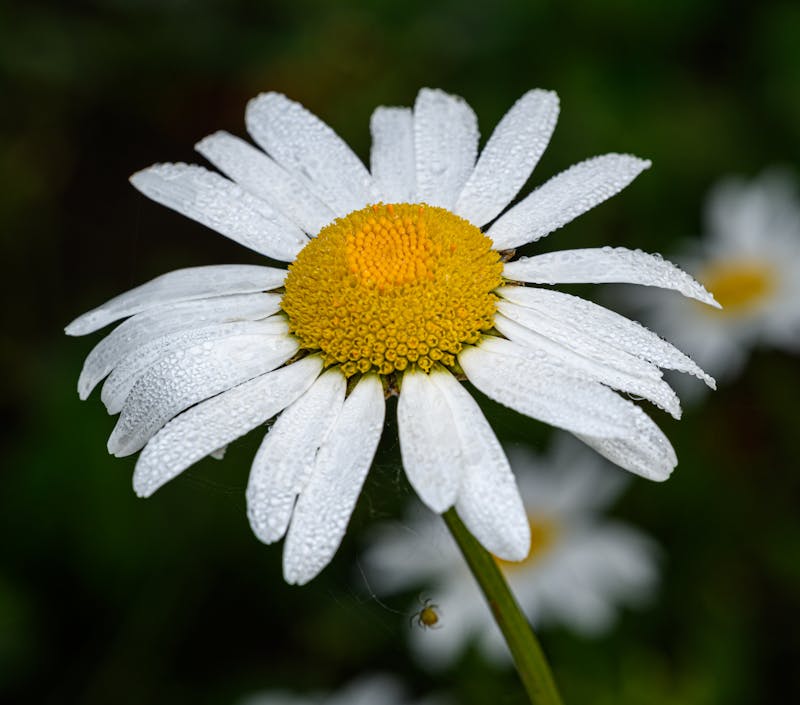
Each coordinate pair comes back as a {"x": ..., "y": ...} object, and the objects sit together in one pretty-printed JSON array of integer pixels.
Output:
[{"x": 522, "y": 642}]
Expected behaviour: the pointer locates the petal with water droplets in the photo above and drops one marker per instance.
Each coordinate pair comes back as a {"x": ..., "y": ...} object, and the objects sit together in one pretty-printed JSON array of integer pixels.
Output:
[
  {"x": 214, "y": 423},
  {"x": 260, "y": 175},
  {"x": 606, "y": 265},
  {"x": 392, "y": 156},
  {"x": 429, "y": 442},
  {"x": 566, "y": 196},
  {"x": 120, "y": 382},
  {"x": 509, "y": 157},
  {"x": 180, "y": 285},
  {"x": 446, "y": 144},
  {"x": 287, "y": 455},
  {"x": 648, "y": 385},
  {"x": 488, "y": 501},
  {"x": 546, "y": 390},
  {"x": 324, "y": 507},
  {"x": 308, "y": 148},
  {"x": 595, "y": 330},
  {"x": 186, "y": 377},
  {"x": 647, "y": 452},
  {"x": 223, "y": 206},
  {"x": 154, "y": 323}
]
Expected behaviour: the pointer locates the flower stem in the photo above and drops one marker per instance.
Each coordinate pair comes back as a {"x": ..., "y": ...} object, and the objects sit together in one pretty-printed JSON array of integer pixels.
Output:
[{"x": 529, "y": 659}]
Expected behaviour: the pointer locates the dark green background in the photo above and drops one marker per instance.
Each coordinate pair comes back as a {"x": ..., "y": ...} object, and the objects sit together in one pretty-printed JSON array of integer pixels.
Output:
[{"x": 105, "y": 598}]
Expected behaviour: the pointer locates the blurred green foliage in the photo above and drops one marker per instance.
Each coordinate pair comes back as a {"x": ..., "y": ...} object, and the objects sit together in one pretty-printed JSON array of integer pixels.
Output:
[{"x": 107, "y": 598}]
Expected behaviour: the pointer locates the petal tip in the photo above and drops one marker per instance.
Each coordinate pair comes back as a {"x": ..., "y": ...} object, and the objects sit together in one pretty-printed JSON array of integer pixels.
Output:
[
  {"x": 76, "y": 327},
  {"x": 142, "y": 488},
  {"x": 296, "y": 575},
  {"x": 206, "y": 144}
]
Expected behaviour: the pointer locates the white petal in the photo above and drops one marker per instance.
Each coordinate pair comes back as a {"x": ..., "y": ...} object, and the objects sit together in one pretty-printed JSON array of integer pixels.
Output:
[
  {"x": 223, "y": 206},
  {"x": 144, "y": 327},
  {"x": 564, "y": 197},
  {"x": 488, "y": 501},
  {"x": 561, "y": 328},
  {"x": 287, "y": 455},
  {"x": 300, "y": 142},
  {"x": 446, "y": 144},
  {"x": 392, "y": 159},
  {"x": 429, "y": 442},
  {"x": 325, "y": 505},
  {"x": 218, "y": 421},
  {"x": 606, "y": 265},
  {"x": 258, "y": 173},
  {"x": 180, "y": 285},
  {"x": 189, "y": 376},
  {"x": 509, "y": 157},
  {"x": 545, "y": 390},
  {"x": 610, "y": 371},
  {"x": 593, "y": 329},
  {"x": 120, "y": 382},
  {"x": 647, "y": 453}
]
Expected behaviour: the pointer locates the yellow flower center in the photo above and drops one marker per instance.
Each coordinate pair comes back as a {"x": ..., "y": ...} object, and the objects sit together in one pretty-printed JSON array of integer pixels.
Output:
[
  {"x": 739, "y": 286},
  {"x": 544, "y": 532},
  {"x": 390, "y": 286}
]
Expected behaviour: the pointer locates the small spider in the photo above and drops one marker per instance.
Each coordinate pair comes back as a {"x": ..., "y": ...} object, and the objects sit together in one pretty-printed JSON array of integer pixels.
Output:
[{"x": 428, "y": 615}]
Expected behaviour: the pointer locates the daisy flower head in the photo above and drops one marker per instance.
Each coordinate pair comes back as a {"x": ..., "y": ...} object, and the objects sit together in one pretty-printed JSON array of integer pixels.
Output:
[
  {"x": 401, "y": 280},
  {"x": 582, "y": 567},
  {"x": 750, "y": 259}
]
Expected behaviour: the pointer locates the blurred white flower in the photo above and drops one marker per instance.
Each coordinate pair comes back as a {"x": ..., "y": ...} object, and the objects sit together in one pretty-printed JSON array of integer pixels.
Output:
[
  {"x": 749, "y": 259},
  {"x": 369, "y": 690},
  {"x": 392, "y": 288},
  {"x": 582, "y": 567}
]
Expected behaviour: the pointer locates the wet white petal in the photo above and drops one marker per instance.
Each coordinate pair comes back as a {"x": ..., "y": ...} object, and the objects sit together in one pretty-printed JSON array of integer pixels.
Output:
[
  {"x": 120, "y": 382},
  {"x": 324, "y": 507},
  {"x": 606, "y": 265},
  {"x": 260, "y": 175},
  {"x": 223, "y": 206},
  {"x": 647, "y": 453},
  {"x": 509, "y": 157},
  {"x": 218, "y": 421},
  {"x": 300, "y": 142},
  {"x": 545, "y": 390},
  {"x": 189, "y": 376},
  {"x": 429, "y": 442},
  {"x": 488, "y": 501},
  {"x": 595, "y": 330},
  {"x": 287, "y": 455},
  {"x": 562, "y": 329},
  {"x": 564, "y": 197},
  {"x": 154, "y": 323},
  {"x": 446, "y": 144},
  {"x": 392, "y": 159},
  {"x": 649, "y": 385},
  {"x": 180, "y": 285}
]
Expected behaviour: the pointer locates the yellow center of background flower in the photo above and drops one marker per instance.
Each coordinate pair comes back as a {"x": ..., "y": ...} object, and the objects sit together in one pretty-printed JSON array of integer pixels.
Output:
[
  {"x": 544, "y": 532},
  {"x": 391, "y": 286},
  {"x": 739, "y": 285}
]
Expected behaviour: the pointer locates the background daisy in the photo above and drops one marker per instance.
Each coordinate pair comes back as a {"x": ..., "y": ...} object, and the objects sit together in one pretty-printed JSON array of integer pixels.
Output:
[
  {"x": 581, "y": 570},
  {"x": 749, "y": 257}
]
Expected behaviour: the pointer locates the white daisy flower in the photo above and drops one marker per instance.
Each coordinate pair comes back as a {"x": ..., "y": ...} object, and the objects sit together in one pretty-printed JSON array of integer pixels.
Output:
[
  {"x": 369, "y": 690},
  {"x": 580, "y": 570},
  {"x": 750, "y": 259},
  {"x": 392, "y": 287}
]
